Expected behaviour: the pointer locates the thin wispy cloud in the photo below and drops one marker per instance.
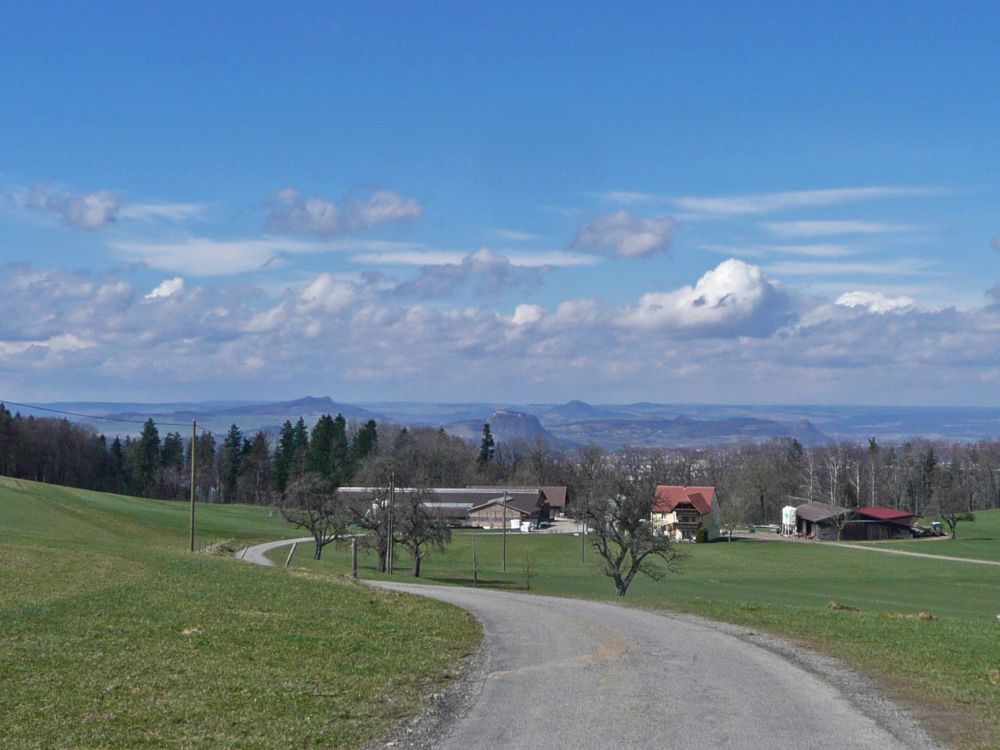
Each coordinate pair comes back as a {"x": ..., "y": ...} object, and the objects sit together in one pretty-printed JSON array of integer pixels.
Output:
[
  {"x": 904, "y": 266},
  {"x": 552, "y": 258},
  {"x": 832, "y": 228},
  {"x": 629, "y": 198},
  {"x": 764, "y": 203},
  {"x": 819, "y": 250},
  {"x": 202, "y": 256},
  {"x": 164, "y": 211},
  {"x": 512, "y": 235}
]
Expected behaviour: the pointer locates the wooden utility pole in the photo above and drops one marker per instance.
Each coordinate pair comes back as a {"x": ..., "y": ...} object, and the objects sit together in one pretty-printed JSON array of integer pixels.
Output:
[
  {"x": 389, "y": 531},
  {"x": 475, "y": 563},
  {"x": 194, "y": 453},
  {"x": 504, "y": 545}
]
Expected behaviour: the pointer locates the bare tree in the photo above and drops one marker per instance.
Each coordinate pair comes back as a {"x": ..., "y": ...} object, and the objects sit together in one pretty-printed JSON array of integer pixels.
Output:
[
  {"x": 617, "y": 508},
  {"x": 311, "y": 503},
  {"x": 416, "y": 529},
  {"x": 950, "y": 498}
]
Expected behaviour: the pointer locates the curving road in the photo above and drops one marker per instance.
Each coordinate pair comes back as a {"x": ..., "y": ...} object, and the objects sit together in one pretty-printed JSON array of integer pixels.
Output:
[{"x": 567, "y": 673}]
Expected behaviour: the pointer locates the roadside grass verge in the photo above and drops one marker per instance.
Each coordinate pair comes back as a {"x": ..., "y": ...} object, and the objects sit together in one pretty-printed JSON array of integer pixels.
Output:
[
  {"x": 113, "y": 636},
  {"x": 948, "y": 668}
]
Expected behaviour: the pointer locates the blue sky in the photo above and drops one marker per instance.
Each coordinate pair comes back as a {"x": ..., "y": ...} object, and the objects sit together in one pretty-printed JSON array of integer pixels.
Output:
[{"x": 753, "y": 202}]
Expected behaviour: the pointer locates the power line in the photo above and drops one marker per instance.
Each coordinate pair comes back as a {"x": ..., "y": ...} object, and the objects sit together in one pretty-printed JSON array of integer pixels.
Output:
[{"x": 99, "y": 416}]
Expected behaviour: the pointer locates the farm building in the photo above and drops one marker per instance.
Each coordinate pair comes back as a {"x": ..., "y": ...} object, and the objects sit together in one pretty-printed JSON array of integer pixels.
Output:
[
  {"x": 680, "y": 511},
  {"x": 825, "y": 521},
  {"x": 476, "y": 506},
  {"x": 875, "y": 522},
  {"x": 820, "y": 520}
]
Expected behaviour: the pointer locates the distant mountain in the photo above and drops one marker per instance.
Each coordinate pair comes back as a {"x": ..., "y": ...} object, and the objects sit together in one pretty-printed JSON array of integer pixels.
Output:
[
  {"x": 576, "y": 411},
  {"x": 505, "y": 426},
  {"x": 682, "y": 432},
  {"x": 572, "y": 423}
]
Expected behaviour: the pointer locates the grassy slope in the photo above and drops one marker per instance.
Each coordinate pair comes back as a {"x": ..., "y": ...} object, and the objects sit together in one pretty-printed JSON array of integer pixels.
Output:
[
  {"x": 111, "y": 635},
  {"x": 979, "y": 540},
  {"x": 950, "y": 665}
]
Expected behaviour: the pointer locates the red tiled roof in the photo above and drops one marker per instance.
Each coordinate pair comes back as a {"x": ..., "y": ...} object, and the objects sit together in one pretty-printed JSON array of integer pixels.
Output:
[
  {"x": 886, "y": 514},
  {"x": 669, "y": 496}
]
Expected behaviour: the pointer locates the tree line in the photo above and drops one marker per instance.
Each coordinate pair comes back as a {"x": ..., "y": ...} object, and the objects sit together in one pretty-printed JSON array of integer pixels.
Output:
[{"x": 753, "y": 480}]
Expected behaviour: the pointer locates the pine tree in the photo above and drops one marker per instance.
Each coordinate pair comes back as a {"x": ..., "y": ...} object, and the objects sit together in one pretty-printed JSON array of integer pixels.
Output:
[
  {"x": 320, "y": 459},
  {"x": 300, "y": 450},
  {"x": 283, "y": 457},
  {"x": 365, "y": 443},
  {"x": 486, "y": 446},
  {"x": 148, "y": 458},
  {"x": 232, "y": 453}
]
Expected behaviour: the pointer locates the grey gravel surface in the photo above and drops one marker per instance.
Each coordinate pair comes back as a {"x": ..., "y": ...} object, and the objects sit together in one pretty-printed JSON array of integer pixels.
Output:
[
  {"x": 258, "y": 553},
  {"x": 566, "y": 673}
]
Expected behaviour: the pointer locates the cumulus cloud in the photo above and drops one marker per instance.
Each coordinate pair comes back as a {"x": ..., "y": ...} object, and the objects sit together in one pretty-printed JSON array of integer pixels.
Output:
[
  {"x": 487, "y": 271},
  {"x": 735, "y": 298},
  {"x": 875, "y": 302},
  {"x": 293, "y": 211},
  {"x": 337, "y": 333},
  {"x": 81, "y": 210},
  {"x": 98, "y": 208},
  {"x": 625, "y": 235},
  {"x": 167, "y": 287}
]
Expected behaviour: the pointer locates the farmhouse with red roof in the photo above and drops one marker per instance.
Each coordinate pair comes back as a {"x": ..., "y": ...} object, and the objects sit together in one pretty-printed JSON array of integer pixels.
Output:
[{"x": 680, "y": 511}]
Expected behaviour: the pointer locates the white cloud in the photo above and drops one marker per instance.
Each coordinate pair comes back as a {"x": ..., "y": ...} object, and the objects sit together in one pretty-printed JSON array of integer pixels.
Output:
[
  {"x": 762, "y": 203},
  {"x": 166, "y": 211},
  {"x": 526, "y": 315},
  {"x": 77, "y": 330},
  {"x": 629, "y": 197},
  {"x": 65, "y": 342},
  {"x": 98, "y": 208},
  {"x": 411, "y": 258},
  {"x": 733, "y": 298},
  {"x": 817, "y": 250},
  {"x": 903, "y": 266},
  {"x": 326, "y": 293},
  {"x": 81, "y": 210},
  {"x": 831, "y": 228},
  {"x": 201, "y": 256},
  {"x": 293, "y": 211},
  {"x": 875, "y": 302},
  {"x": 512, "y": 235},
  {"x": 166, "y": 288},
  {"x": 488, "y": 271},
  {"x": 625, "y": 235},
  {"x": 552, "y": 258}
]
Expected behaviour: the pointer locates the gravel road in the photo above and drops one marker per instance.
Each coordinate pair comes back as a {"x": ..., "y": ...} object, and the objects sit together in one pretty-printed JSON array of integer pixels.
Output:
[{"x": 566, "y": 673}]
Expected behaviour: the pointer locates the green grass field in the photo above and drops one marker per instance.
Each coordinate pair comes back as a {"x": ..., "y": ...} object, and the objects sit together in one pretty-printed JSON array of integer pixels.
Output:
[
  {"x": 979, "y": 540},
  {"x": 948, "y": 667},
  {"x": 113, "y": 636}
]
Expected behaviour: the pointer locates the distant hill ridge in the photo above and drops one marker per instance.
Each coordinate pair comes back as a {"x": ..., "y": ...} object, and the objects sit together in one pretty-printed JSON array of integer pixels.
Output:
[{"x": 574, "y": 422}]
